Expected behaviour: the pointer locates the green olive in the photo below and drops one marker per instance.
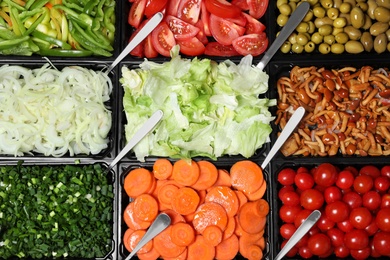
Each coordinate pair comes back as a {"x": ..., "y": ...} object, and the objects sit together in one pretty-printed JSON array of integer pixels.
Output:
[
  {"x": 345, "y": 8},
  {"x": 351, "y": 2},
  {"x": 337, "y": 31},
  {"x": 337, "y": 48},
  {"x": 357, "y": 17},
  {"x": 318, "y": 22},
  {"x": 380, "y": 43},
  {"x": 309, "y": 16},
  {"x": 382, "y": 14},
  {"x": 297, "y": 48},
  {"x": 285, "y": 9},
  {"x": 337, "y": 3},
  {"x": 332, "y": 13},
  {"x": 372, "y": 5},
  {"x": 293, "y": 6},
  {"x": 302, "y": 27},
  {"x": 312, "y": 2},
  {"x": 325, "y": 29},
  {"x": 282, "y": 19},
  {"x": 363, "y": 6},
  {"x": 329, "y": 39},
  {"x": 388, "y": 34},
  {"x": 354, "y": 47},
  {"x": 340, "y": 22},
  {"x": 286, "y": 47},
  {"x": 341, "y": 38},
  {"x": 301, "y": 39},
  {"x": 326, "y": 3},
  {"x": 281, "y": 2},
  {"x": 319, "y": 12},
  {"x": 292, "y": 38},
  {"x": 353, "y": 33},
  {"x": 309, "y": 47},
  {"x": 378, "y": 28},
  {"x": 367, "y": 22},
  {"x": 312, "y": 27},
  {"x": 347, "y": 17},
  {"x": 388, "y": 46},
  {"x": 324, "y": 48},
  {"x": 367, "y": 41},
  {"x": 317, "y": 38},
  {"x": 384, "y": 3}
]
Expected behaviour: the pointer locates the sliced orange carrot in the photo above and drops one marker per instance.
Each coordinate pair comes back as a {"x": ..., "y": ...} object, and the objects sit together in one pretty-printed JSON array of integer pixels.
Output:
[
  {"x": 145, "y": 207},
  {"x": 210, "y": 213},
  {"x": 246, "y": 175},
  {"x": 258, "y": 194},
  {"x": 185, "y": 201},
  {"x": 164, "y": 245},
  {"x": 261, "y": 243},
  {"x": 159, "y": 183},
  {"x": 153, "y": 187},
  {"x": 165, "y": 193},
  {"x": 182, "y": 234},
  {"x": 262, "y": 207},
  {"x": 213, "y": 235},
  {"x": 189, "y": 218},
  {"x": 162, "y": 169},
  {"x": 175, "y": 217},
  {"x": 137, "y": 182},
  {"x": 238, "y": 231},
  {"x": 182, "y": 256},
  {"x": 126, "y": 238},
  {"x": 227, "y": 249},
  {"x": 131, "y": 219},
  {"x": 252, "y": 252},
  {"x": 151, "y": 255},
  {"x": 207, "y": 177},
  {"x": 230, "y": 227},
  {"x": 200, "y": 249},
  {"x": 249, "y": 245},
  {"x": 249, "y": 219},
  {"x": 185, "y": 173},
  {"x": 224, "y": 196},
  {"x": 132, "y": 240},
  {"x": 241, "y": 197},
  {"x": 223, "y": 178},
  {"x": 202, "y": 196}
]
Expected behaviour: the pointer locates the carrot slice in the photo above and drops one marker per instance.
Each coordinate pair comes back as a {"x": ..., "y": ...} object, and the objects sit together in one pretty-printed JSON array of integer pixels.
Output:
[
  {"x": 227, "y": 249},
  {"x": 182, "y": 234},
  {"x": 238, "y": 231},
  {"x": 189, "y": 218},
  {"x": 200, "y": 249},
  {"x": 126, "y": 238},
  {"x": 249, "y": 219},
  {"x": 262, "y": 207},
  {"x": 225, "y": 197},
  {"x": 241, "y": 197},
  {"x": 258, "y": 194},
  {"x": 202, "y": 196},
  {"x": 165, "y": 193},
  {"x": 209, "y": 213},
  {"x": 185, "y": 201},
  {"x": 252, "y": 252},
  {"x": 133, "y": 239},
  {"x": 185, "y": 173},
  {"x": 207, "y": 177},
  {"x": 223, "y": 178},
  {"x": 153, "y": 187},
  {"x": 249, "y": 245},
  {"x": 131, "y": 219},
  {"x": 137, "y": 182},
  {"x": 175, "y": 217},
  {"x": 162, "y": 169},
  {"x": 151, "y": 255},
  {"x": 261, "y": 243},
  {"x": 164, "y": 245},
  {"x": 213, "y": 235},
  {"x": 230, "y": 227},
  {"x": 145, "y": 207},
  {"x": 182, "y": 256},
  {"x": 246, "y": 175}
]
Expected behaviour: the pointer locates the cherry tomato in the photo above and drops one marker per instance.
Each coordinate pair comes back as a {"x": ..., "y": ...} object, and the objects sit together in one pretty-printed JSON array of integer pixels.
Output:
[
  {"x": 222, "y": 8},
  {"x": 374, "y": 253},
  {"x": 332, "y": 194},
  {"x": 360, "y": 254},
  {"x": 382, "y": 183},
  {"x": 356, "y": 239},
  {"x": 303, "y": 241},
  {"x": 253, "y": 44},
  {"x": 381, "y": 242},
  {"x": 372, "y": 200},
  {"x": 363, "y": 183},
  {"x": 288, "y": 213},
  {"x": 303, "y": 169},
  {"x": 345, "y": 180},
  {"x": 257, "y": 8},
  {"x": 287, "y": 176},
  {"x": 372, "y": 228},
  {"x": 301, "y": 216},
  {"x": 285, "y": 189},
  {"x": 290, "y": 198},
  {"x": 223, "y": 30},
  {"x": 370, "y": 170},
  {"x": 385, "y": 171},
  {"x": 345, "y": 226},
  {"x": 360, "y": 217},
  {"x": 287, "y": 230},
  {"x": 385, "y": 203},
  {"x": 341, "y": 251},
  {"x": 217, "y": 49},
  {"x": 337, "y": 211},
  {"x": 163, "y": 39},
  {"x": 293, "y": 251},
  {"x": 353, "y": 199},
  {"x": 336, "y": 236},
  {"x": 304, "y": 180},
  {"x": 253, "y": 25},
  {"x": 324, "y": 223},
  {"x": 154, "y": 6},
  {"x": 325, "y": 175},
  {"x": 181, "y": 30},
  {"x": 383, "y": 219},
  {"x": 304, "y": 252},
  {"x": 189, "y": 10},
  {"x": 352, "y": 169},
  {"x": 319, "y": 244},
  {"x": 191, "y": 47},
  {"x": 312, "y": 199},
  {"x": 136, "y": 13}
]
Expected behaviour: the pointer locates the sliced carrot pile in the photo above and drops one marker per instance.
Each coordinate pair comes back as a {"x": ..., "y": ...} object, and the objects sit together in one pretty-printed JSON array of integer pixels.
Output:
[{"x": 215, "y": 213}]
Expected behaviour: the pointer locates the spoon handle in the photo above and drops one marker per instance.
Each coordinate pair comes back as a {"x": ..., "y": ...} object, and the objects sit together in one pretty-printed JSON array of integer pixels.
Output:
[
  {"x": 299, "y": 233},
  {"x": 161, "y": 222},
  {"x": 292, "y": 23},
  {"x": 290, "y": 126}
]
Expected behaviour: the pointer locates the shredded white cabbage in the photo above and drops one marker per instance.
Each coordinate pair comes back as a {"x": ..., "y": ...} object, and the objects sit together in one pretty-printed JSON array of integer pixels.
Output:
[{"x": 53, "y": 112}]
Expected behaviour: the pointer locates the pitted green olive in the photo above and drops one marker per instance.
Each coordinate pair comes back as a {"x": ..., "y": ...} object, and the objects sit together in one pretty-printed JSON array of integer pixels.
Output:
[
  {"x": 332, "y": 13},
  {"x": 367, "y": 22},
  {"x": 378, "y": 28},
  {"x": 345, "y": 8},
  {"x": 312, "y": 27},
  {"x": 319, "y": 12},
  {"x": 357, "y": 17},
  {"x": 337, "y": 31},
  {"x": 312, "y": 2},
  {"x": 293, "y": 6},
  {"x": 367, "y": 41},
  {"x": 324, "y": 48},
  {"x": 382, "y": 14},
  {"x": 286, "y": 47},
  {"x": 353, "y": 33},
  {"x": 309, "y": 16},
  {"x": 340, "y": 22},
  {"x": 384, "y": 3},
  {"x": 318, "y": 22},
  {"x": 292, "y": 38},
  {"x": 337, "y": 3},
  {"x": 337, "y": 48},
  {"x": 281, "y": 2},
  {"x": 371, "y": 7},
  {"x": 347, "y": 18},
  {"x": 380, "y": 43},
  {"x": 285, "y": 9},
  {"x": 302, "y": 27},
  {"x": 282, "y": 19},
  {"x": 310, "y": 47},
  {"x": 325, "y": 29},
  {"x": 341, "y": 38},
  {"x": 317, "y": 38},
  {"x": 354, "y": 47},
  {"x": 329, "y": 39},
  {"x": 301, "y": 39},
  {"x": 363, "y": 5},
  {"x": 297, "y": 48},
  {"x": 326, "y": 3}
]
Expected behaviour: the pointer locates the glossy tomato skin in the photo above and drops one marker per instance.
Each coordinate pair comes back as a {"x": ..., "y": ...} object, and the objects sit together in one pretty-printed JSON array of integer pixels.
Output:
[
  {"x": 341, "y": 251},
  {"x": 383, "y": 219},
  {"x": 336, "y": 237},
  {"x": 286, "y": 176},
  {"x": 385, "y": 202},
  {"x": 312, "y": 199},
  {"x": 163, "y": 39},
  {"x": 353, "y": 199},
  {"x": 222, "y": 8},
  {"x": 385, "y": 171},
  {"x": 304, "y": 252},
  {"x": 332, "y": 194},
  {"x": 325, "y": 175},
  {"x": 253, "y": 44},
  {"x": 337, "y": 211},
  {"x": 370, "y": 170},
  {"x": 345, "y": 180},
  {"x": 361, "y": 254},
  {"x": 189, "y": 10},
  {"x": 253, "y": 25},
  {"x": 154, "y": 6},
  {"x": 136, "y": 13},
  {"x": 382, "y": 183},
  {"x": 257, "y": 8},
  {"x": 381, "y": 243},
  {"x": 304, "y": 180},
  {"x": 372, "y": 200},
  {"x": 290, "y": 198},
  {"x": 372, "y": 228},
  {"x": 223, "y": 30},
  {"x": 324, "y": 223},
  {"x": 345, "y": 226},
  {"x": 288, "y": 213},
  {"x": 301, "y": 216},
  {"x": 360, "y": 217},
  {"x": 356, "y": 239},
  {"x": 285, "y": 189},
  {"x": 287, "y": 230},
  {"x": 363, "y": 183},
  {"x": 319, "y": 244}
]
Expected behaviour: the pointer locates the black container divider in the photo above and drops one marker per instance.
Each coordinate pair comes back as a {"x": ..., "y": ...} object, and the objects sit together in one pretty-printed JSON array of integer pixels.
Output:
[{"x": 123, "y": 200}]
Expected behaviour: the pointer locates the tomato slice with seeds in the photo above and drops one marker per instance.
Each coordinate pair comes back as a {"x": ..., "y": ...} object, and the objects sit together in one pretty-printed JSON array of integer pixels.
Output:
[
  {"x": 201, "y": 34},
  {"x": 239, "y": 20},
  {"x": 172, "y": 7},
  {"x": 223, "y": 30},
  {"x": 136, "y": 13},
  {"x": 205, "y": 18},
  {"x": 149, "y": 50},
  {"x": 222, "y": 8},
  {"x": 189, "y": 10},
  {"x": 181, "y": 30},
  {"x": 253, "y": 25},
  {"x": 163, "y": 39},
  {"x": 217, "y": 49},
  {"x": 191, "y": 47},
  {"x": 154, "y": 6},
  {"x": 254, "y": 44},
  {"x": 257, "y": 8},
  {"x": 242, "y": 4}
]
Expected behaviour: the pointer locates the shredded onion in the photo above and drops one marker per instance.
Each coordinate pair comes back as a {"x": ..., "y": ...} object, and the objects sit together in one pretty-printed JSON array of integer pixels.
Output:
[{"x": 53, "y": 112}]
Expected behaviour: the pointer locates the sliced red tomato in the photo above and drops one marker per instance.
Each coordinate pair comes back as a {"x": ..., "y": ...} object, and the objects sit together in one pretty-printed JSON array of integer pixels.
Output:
[
  {"x": 163, "y": 39},
  {"x": 257, "y": 8},
  {"x": 138, "y": 51},
  {"x": 181, "y": 29},
  {"x": 191, "y": 47},
  {"x": 136, "y": 13},
  {"x": 253, "y": 25},
  {"x": 254, "y": 44},
  {"x": 217, "y": 49},
  {"x": 242, "y": 4},
  {"x": 222, "y": 8},
  {"x": 239, "y": 20},
  {"x": 149, "y": 50},
  {"x": 154, "y": 6},
  {"x": 223, "y": 30},
  {"x": 201, "y": 34},
  {"x": 205, "y": 17},
  {"x": 172, "y": 7},
  {"x": 189, "y": 10}
]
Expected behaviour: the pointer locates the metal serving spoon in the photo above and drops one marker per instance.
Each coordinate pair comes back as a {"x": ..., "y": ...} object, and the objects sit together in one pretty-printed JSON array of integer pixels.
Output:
[
  {"x": 292, "y": 23},
  {"x": 299, "y": 233},
  {"x": 161, "y": 222}
]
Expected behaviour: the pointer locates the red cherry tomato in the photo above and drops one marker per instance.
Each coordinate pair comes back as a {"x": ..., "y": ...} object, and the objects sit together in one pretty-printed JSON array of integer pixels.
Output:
[
  {"x": 345, "y": 180},
  {"x": 324, "y": 223},
  {"x": 383, "y": 219},
  {"x": 287, "y": 230},
  {"x": 217, "y": 49},
  {"x": 136, "y": 13},
  {"x": 257, "y": 8},
  {"x": 301, "y": 216},
  {"x": 361, "y": 253},
  {"x": 381, "y": 242},
  {"x": 341, "y": 251},
  {"x": 372, "y": 228},
  {"x": 319, "y": 244},
  {"x": 285, "y": 189},
  {"x": 337, "y": 211},
  {"x": 253, "y": 44},
  {"x": 345, "y": 226},
  {"x": 385, "y": 203},
  {"x": 325, "y": 175},
  {"x": 374, "y": 253},
  {"x": 360, "y": 217},
  {"x": 223, "y": 30},
  {"x": 356, "y": 239},
  {"x": 163, "y": 39},
  {"x": 385, "y": 171},
  {"x": 332, "y": 194},
  {"x": 154, "y": 6},
  {"x": 352, "y": 169},
  {"x": 181, "y": 30},
  {"x": 382, "y": 183},
  {"x": 304, "y": 252},
  {"x": 303, "y": 241},
  {"x": 288, "y": 213},
  {"x": 290, "y": 198},
  {"x": 312, "y": 199},
  {"x": 222, "y": 8},
  {"x": 239, "y": 20},
  {"x": 304, "y": 180},
  {"x": 336, "y": 236},
  {"x": 372, "y": 200},
  {"x": 189, "y": 10},
  {"x": 293, "y": 251},
  {"x": 370, "y": 170},
  {"x": 287, "y": 176},
  {"x": 363, "y": 183},
  {"x": 353, "y": 199}
]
